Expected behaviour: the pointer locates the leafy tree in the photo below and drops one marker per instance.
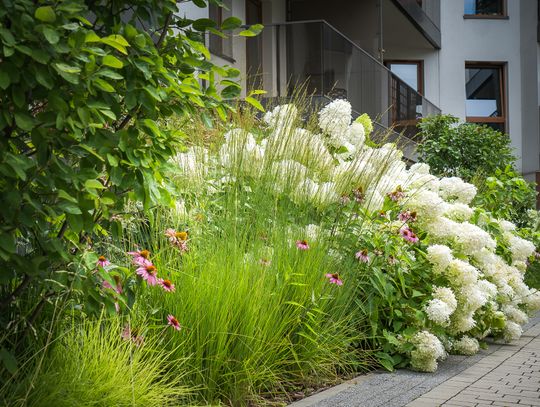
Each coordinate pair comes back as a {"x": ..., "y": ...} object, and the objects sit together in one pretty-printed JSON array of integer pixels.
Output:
[
  {"x": 462, "y": 150},
  {"x": 83, "y": 85}
]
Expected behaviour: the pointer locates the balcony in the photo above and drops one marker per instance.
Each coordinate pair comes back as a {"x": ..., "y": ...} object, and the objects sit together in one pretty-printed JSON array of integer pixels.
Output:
[{"x": 331, "y": 66}]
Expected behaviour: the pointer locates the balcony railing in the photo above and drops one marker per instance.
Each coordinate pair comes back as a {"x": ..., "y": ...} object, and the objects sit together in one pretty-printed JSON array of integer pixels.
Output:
[{"x": 315, "y": 54}]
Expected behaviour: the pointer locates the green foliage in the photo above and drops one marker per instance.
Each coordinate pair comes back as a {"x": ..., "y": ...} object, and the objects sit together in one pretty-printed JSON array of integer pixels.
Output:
[
  {"x": 462, "y": 150},
  {"x": 83, "y": 87},
  {"x": 92, "y": 365},
  {"x": 507, "y": 196}
]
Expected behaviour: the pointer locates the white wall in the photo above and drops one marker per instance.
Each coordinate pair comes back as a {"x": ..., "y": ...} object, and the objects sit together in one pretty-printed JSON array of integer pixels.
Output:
[{"x": 492, "y": 40}]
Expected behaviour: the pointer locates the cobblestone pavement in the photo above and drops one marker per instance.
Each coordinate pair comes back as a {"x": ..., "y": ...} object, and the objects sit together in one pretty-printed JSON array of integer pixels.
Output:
[
  {"x": 503, "y": 375},
  {"x": 508, "y": 377}
]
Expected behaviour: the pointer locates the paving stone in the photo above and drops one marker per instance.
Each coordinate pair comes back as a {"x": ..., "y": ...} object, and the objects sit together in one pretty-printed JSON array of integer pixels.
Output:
[{"x": 503, "y": 375}]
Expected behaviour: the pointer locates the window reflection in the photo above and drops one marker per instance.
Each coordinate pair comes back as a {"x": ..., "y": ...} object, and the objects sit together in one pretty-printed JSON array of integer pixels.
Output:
[
  {"x": 484, "y": 7},
  {"x": 483, "y": 87}
]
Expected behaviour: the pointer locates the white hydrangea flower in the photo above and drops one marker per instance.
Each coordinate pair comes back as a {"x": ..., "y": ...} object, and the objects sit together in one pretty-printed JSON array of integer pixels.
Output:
[
  {"x": 427, "y": 204},
  {"x": 488, "y": 289},
  {"x": 472, "y": 297},
  {"x": 447, "y": 295},
  {"x": 438, "y": 311},
  {"x": 466, "y": 346},
  {"x": 287, "y": 174},
  {"x": 281, "y": 118},
  {"x": 532, "y": 300},
  {"x": 512, "y": 331},
  {"x": 440, "y": 256},
  {"x": 458, "y": 211},
  {"x": 515, "y": 314},
  {"x": 462, "y": 322},
  {"x": 521, "y": 249},
  {"x": 356, "y": 134},
  {"x": 428, "y": 348},
  {"x": 420, "y": 168},
  {"x": 472, "y": 239},
  {"x": 506, "y": 225},
  {"x": 335, "y": 118},
  {"x": 455, "y": 188},
  {"x": 462, "y": 273}
]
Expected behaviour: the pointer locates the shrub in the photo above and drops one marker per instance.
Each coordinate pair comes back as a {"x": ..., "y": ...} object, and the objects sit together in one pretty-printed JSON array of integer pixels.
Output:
[
  {"x": 83, "y": 87},
  {"x": 508, "y": 196},
  {"x": 462, "y": 150}
]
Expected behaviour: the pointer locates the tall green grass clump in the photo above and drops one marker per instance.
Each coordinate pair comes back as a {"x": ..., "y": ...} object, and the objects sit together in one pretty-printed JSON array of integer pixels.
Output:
[
  {"x": 264, "y": 287},
  {"x": 97, "y": 363}
]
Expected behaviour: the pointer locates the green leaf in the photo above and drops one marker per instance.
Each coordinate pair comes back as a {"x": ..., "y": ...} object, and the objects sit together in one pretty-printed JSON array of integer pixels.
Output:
[
  {"x": 51, "y": 35},
  {"x": 69, "y": 207},
  {"x": 112, "y": 61},
  {"x": 91, "y": 36},
  {"x": 61, "y": 67},
  {"x": 93, "y": 184},
  {"x": 8, "y": 360},
  {"x": 103, "y": 85},
  {"x": 5, "y": 80},
  {"x": 252, "y": 31},
  {"x": 255, "y": 103},
  {"x": 7, "y": 242},
  {"x": 202, "y": 24},
  {"x": 45, "y": 13},
  {"x": 231, "y": 23},
  {"x": 24, "y": 121}
]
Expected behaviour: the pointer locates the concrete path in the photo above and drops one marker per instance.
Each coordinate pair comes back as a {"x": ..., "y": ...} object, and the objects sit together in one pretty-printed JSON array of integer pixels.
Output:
[{"x": 503, "y": 375}]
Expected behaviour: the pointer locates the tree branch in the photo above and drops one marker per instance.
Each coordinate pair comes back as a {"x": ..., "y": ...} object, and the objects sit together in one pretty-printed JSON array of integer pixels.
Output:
[{"x": 13, "y": 296}]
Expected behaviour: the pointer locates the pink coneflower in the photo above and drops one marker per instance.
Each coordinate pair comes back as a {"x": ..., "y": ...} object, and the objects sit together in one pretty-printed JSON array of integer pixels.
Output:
[
  {"x": 408, "y": 235},
  {"x": 102, "y": 261},
  {"x": 172, "y": 321},
  {"x": 148, "y": 272},
  {"x": 167, "y": 285},
  {"x": 407, "y": 216},
  {"x": 118, "y": 284},
  {"x": 362, "y": 256},
  {"x": 333, "y": 278},
  {"x": 344, "y": 199},
  {"x": 132, "y": 335},
  {"x": 171, "y": 234},
  {"x": 397, "y": 194},
  {"x": 140, "y": 257},
  {"x": 302, "y": 244},
  {"x": 358, "y": 195}
]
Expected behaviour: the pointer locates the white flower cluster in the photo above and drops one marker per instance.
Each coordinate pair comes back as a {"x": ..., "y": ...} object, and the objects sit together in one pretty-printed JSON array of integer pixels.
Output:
[
  {"x": 480, "y": 286},
  {"x": 427, "y": 350},
  {"x": 442, "y": 305},
  {"x": 466, "y": 346}
]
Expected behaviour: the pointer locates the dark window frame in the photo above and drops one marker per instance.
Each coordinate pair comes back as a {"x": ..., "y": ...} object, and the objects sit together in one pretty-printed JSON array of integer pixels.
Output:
[
  {"x": 503, "y": 118},
  {"x": 216, "y": 44},
  {"x": 419, "y": 70},
  {"x": 502, "y": 16}
]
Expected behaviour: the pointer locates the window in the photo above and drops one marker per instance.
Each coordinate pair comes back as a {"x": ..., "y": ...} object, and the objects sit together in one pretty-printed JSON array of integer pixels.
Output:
[
  {"x": 410, "y": 72},
  {"x": 485, "y": 8},
  {"x": 219, "y": 46},
  {"x": 485, "y": 90}
]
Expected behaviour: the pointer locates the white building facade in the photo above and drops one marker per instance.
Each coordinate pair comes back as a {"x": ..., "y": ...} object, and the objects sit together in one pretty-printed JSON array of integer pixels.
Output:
[{"x": 399, "y": 60}]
